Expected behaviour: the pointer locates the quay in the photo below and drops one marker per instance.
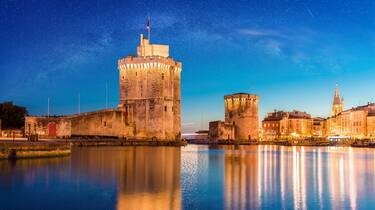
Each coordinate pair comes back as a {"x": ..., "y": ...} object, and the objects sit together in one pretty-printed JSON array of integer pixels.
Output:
[
  {"x": 291, "y": 142},
  {"x": 120, "y": 142},
  {"x": 25, "y": 149},
  {"x": 54, "y": 148}
]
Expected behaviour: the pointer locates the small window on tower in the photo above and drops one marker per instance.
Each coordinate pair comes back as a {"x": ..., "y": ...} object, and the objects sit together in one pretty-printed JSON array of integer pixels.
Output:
[
  {"x": 165, "y": 108},
  {"x": 136, "y": 73},
  {"x": 162, "y": 76}
]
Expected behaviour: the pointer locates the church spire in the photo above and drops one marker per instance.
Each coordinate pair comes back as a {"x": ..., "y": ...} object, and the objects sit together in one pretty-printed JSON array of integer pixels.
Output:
[
  {"x": 338, "y": 103},
  {"x": 337, "y": 91}
]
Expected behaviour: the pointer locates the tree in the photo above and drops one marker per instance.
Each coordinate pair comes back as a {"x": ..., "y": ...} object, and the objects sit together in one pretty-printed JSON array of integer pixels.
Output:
[{"x": 12, "y": 116}]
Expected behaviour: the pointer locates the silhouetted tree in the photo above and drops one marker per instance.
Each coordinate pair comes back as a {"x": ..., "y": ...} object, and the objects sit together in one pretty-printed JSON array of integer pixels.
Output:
[{"x": 12, "y": 116}]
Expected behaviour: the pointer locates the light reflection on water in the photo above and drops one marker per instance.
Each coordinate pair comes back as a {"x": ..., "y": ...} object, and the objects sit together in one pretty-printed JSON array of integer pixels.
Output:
[{"x": 193, "y": 177}]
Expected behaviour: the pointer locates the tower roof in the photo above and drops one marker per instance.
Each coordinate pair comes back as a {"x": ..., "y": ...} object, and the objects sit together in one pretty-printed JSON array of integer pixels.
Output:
[{"x": 336, "y": 98}]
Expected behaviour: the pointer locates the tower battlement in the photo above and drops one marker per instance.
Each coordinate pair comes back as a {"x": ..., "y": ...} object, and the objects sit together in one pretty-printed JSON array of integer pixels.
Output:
[{"x": 148, "y": 62}]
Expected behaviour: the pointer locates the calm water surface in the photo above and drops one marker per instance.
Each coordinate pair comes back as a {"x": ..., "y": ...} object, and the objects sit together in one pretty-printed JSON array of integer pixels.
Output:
[{"x": 193, "y": 177}]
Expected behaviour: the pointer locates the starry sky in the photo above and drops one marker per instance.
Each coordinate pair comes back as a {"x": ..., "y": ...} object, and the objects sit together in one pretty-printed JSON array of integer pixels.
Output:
[{"x": 291, "y": 53}]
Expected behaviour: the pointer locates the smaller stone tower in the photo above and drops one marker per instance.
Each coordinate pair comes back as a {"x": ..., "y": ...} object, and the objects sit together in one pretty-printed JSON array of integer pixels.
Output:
[
  {"x": 338, "y": 103},
  {"x": 241, "y": 109}
]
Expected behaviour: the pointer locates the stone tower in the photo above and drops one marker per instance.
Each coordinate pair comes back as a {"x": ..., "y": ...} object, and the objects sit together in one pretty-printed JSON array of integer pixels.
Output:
[
  {"x": 150, "y": 92},
  {"x": 241, "y": 110},
  {"x": 338, "y": 103}
]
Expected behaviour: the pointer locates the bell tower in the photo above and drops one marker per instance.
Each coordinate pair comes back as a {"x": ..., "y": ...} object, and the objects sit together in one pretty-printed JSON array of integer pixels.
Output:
[{"x": 338, "y": 103}]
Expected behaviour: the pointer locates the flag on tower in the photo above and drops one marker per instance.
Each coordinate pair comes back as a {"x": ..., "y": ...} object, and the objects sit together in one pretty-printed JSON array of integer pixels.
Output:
[
  {"x": 148, "y": 24},
  {"x": 148, "y": 27}
]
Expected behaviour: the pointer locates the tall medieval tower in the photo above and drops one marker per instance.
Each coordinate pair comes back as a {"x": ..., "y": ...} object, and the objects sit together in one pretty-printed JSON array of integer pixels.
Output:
[
  {"x": 241, "y": 110},
  {"x": 338, "y": 103},
  {"x": 150, "y": 92}
]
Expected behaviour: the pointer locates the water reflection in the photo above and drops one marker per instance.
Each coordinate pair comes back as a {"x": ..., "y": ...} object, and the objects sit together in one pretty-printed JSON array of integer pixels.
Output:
[
  {"x": 193, "y": 177},
  {"x": 147, "y": 177},
  {"x": 298, "y": 177},
  {"x": 150, "y": 179}
]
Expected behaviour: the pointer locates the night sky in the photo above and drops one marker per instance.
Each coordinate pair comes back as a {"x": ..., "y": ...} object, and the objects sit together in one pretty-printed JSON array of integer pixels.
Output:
[{"x": 290, "y": 53}]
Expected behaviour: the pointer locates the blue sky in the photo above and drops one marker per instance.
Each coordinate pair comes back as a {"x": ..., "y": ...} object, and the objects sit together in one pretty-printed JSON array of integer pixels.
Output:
[{"x": 290, "y": 53}]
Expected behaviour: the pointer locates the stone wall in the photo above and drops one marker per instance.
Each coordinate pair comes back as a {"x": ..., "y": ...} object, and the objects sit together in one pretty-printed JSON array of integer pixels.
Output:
[
  {"x": 103, "y": 123},
  {"x": 219, "y": 130}
]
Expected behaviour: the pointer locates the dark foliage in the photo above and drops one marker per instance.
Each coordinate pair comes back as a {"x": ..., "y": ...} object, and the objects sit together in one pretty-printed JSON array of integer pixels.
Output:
[{"x": 12, "y": 116}]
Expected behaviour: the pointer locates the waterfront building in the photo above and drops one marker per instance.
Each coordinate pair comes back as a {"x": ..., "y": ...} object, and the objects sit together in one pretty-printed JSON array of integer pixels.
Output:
[
  {"x": 149, "y": 105},
  {"x": 241, "y": 119},
  {"x": 319, "y": 127},
  {"x": 357, "y": 122},
  {"x": 280, "y": 125}
]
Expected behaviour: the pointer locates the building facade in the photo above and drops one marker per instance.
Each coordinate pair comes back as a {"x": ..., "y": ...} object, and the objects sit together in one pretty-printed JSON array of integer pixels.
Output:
[
  {"x": 149, "y": 107},
  {"x": 280, "y": 125},
  {"x": 241, "y": 119},
  {"x": 357, "y": 122}
]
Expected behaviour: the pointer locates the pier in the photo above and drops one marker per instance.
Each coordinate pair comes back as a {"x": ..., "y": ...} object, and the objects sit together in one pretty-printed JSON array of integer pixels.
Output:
[{"x": 26, "y": 149}]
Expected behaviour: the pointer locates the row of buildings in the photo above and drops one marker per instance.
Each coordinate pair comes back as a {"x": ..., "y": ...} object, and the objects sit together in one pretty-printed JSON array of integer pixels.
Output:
[
  {"x": 241, "y": 122},
  {"x": 357, "y": 122}
]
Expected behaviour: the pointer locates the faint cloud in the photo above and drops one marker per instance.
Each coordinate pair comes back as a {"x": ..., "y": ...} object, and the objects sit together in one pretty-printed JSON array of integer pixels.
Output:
[
  {"x": 188, "y": 124},
  {"x": 270, "y": 46},
  {"x": 65, "y": 57},
  {"x": 260, "y": 33}
]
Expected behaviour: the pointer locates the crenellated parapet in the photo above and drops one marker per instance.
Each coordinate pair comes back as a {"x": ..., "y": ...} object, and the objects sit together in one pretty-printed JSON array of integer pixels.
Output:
[
  {"x": 239, "y": 100},
  {"x": 148, "y": 62}
]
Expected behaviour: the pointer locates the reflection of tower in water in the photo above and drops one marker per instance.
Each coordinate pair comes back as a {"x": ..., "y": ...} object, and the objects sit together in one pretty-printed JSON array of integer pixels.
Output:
[
  {"x": 146, "y": 177},
  {"x": 150, "y": 179},
  {"x": 241, "y": 175}
]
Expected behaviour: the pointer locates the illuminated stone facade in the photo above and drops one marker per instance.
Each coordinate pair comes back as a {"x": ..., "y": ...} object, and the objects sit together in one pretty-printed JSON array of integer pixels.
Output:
[
  {"x": 280, "y": 125},
  {"x": 241, "y": 119},
  {"x": 150, "y": 91},
  {"x": 241, "y": 110},
  {"x": 221, "y": 130}
]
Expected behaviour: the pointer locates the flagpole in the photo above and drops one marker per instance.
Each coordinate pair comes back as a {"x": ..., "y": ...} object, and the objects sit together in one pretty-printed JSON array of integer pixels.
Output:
[
  {"x": 149, "y": 29},
  {"x": 106, "y": 95},
  {"x": 48, "y": 108},
  {"x": 149, "y": 34},
  {"x": 79, "y": 103}
]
